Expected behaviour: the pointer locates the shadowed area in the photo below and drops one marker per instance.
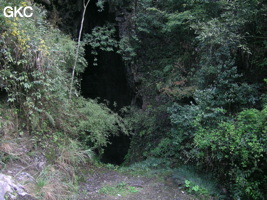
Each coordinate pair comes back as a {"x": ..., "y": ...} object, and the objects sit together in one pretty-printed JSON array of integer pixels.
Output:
[{"x": 107, "y": 81}]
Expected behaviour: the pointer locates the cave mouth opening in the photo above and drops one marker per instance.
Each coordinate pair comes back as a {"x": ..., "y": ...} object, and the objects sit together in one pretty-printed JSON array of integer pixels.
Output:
[
  {"x": 3, "y": 95},
  {"x": 116, "y": 151},
  {"x": 107, "y": 81}
]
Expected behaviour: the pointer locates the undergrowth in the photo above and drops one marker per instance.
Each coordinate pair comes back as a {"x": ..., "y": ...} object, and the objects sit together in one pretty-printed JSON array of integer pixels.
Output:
[
  {"x": 184, "y": 177},
  {"x": 121, "y": 189},
  {"x": 40, "y": 126}
]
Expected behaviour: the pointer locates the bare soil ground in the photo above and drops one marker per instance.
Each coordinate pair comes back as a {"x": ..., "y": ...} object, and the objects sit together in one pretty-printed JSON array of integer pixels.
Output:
[
  {"x": 144, "y": 188},
  {"x": 94, "y": 180}
]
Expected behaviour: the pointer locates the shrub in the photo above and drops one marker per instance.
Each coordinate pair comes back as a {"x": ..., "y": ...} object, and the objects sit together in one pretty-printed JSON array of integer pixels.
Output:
[
  {"x": 149, "y": 127},
  {"x": 97, "y": 123},
  {"x": 35, "y": 60},
  {"x": 237, "y": 147},
  {"x": 52, "y": 183}
]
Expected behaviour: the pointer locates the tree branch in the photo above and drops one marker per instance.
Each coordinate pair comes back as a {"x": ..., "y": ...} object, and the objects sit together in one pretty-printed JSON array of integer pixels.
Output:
[{"x": 78, "y": 47}]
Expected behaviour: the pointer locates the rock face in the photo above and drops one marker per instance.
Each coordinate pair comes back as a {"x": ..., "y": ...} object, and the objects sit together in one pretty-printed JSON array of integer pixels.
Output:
[{"x": 10, "y": 189}]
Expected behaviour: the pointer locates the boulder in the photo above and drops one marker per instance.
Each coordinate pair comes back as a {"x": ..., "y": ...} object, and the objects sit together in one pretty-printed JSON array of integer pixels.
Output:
[{"x": 9, "y": 188}]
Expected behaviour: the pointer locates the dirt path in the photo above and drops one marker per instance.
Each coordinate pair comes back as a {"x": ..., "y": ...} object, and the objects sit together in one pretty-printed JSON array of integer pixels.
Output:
[
  {"x": 100, "y": 183},
  {"x": 106, "y": 184}
]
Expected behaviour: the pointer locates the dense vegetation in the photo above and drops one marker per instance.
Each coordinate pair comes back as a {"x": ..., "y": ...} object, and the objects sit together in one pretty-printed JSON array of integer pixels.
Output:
[
  {"x": 199, "y": 67},
  {"x": 35, "y": 76}
]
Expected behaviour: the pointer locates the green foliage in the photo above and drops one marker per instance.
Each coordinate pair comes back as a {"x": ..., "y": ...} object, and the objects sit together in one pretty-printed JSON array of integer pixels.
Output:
[
  {"x": 238, "y": 147},
  {"x": 71, "y": 153},
  {"x": 101, "y": 38},
  {"x": 120, "y": 189},
  {"x": 151, "y": 163},
  {"x": 196, "y": 182},
  {"x": 126, "y": 49},
  {"x": 36, "y": 59},
  {"x": 97, "y": 123},
  {"x": 199, "y": 67},
  {"x": 177, "y": 141},
  {"x": 204, "y": 61},
  {"x": 150, "y": 167},
  {"x": 146, "y": 124},
  {"x": 52, "y": 183},
  {"x": 195, "y": 189},
  {"x": 100, "y": 5}
]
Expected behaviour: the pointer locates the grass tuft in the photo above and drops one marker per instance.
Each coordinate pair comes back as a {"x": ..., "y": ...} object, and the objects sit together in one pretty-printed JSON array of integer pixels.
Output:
[{"x": 119, "y": 189}]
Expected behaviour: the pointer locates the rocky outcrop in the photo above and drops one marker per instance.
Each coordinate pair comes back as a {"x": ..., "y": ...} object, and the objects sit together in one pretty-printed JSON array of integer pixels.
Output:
[{"x": 9, "y": 189}]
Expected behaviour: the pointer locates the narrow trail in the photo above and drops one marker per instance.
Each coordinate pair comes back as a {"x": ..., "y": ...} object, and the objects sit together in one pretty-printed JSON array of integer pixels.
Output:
[
  {"x": 106, "y": 184},
  {"x": 103, "y": 183}
]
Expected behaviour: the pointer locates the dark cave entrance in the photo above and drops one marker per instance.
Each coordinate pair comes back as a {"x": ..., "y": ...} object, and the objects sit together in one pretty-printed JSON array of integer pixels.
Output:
[
  {"x": 3, "y": 95},
  {"x": 107, "y": 81}
]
